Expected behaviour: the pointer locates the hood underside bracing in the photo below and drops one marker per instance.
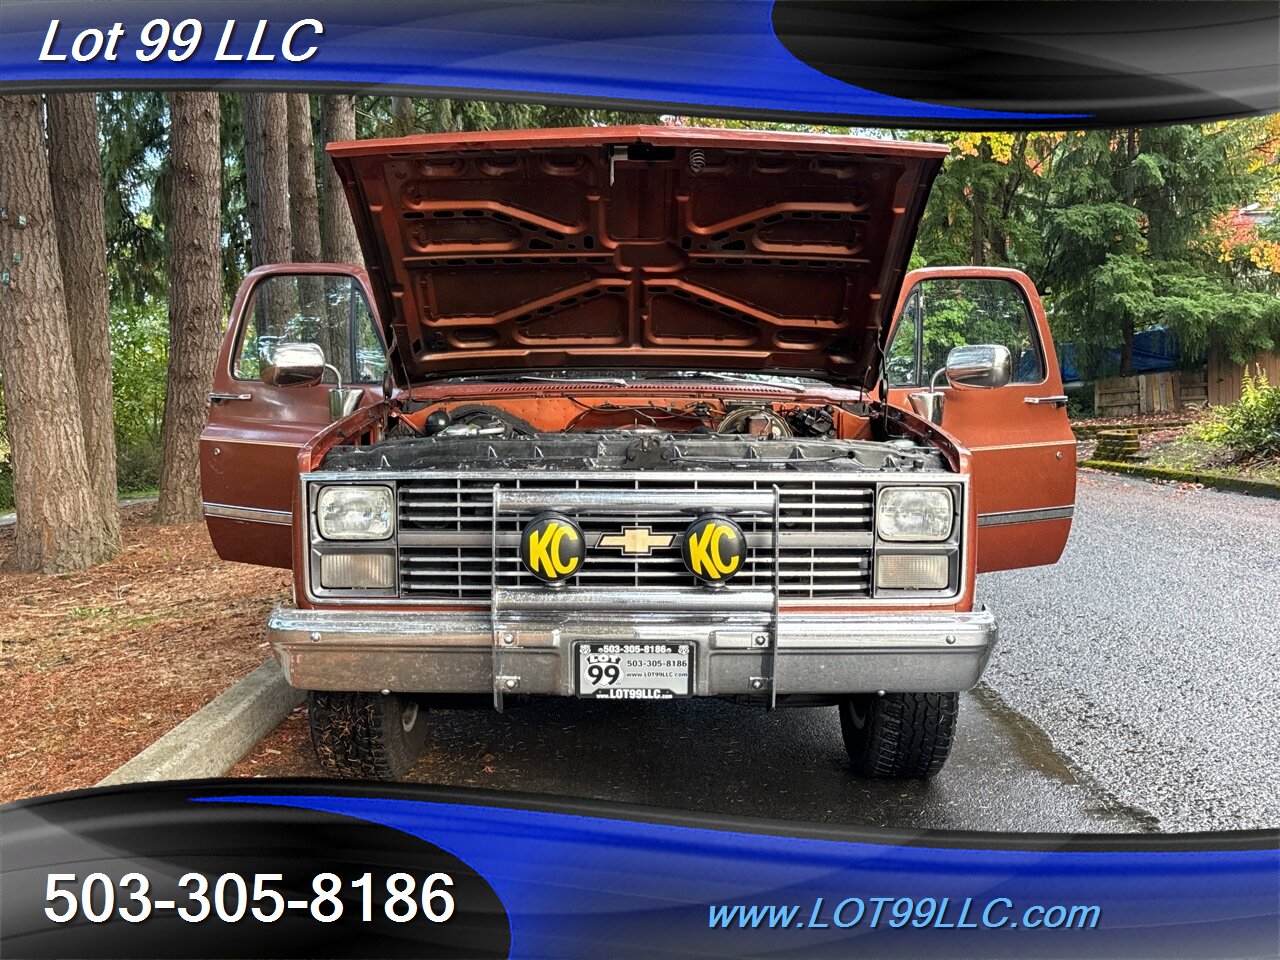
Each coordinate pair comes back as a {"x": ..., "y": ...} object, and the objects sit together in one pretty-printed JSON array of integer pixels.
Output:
[{"x": 636, "y": 247}]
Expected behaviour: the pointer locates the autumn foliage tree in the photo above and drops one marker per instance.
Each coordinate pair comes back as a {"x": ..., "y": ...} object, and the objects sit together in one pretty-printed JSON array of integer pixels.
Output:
[
  {"x": 1129, "y": 239},
  {"x": 1122, "y": 230},
  {"x": 987, "y": 205}
]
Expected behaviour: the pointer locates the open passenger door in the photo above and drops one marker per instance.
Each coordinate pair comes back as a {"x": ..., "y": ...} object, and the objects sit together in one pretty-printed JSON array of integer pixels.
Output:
[
  {"x": 261, "y": 412},
  {"x": 1024, "y": 463}
]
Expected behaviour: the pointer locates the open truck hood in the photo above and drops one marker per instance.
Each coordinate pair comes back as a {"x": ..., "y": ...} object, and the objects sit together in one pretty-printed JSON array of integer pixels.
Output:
[{"x": 636, "y": 248}]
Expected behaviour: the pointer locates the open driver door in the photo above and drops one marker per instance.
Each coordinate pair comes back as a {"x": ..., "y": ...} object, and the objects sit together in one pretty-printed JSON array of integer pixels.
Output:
[{"x": 262, "y": 410}]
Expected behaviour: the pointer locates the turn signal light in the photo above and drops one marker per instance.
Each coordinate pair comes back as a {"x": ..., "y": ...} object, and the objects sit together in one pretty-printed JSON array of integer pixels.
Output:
[
  {"x": 353, "y": 571},
  {"x": 912, "y": 572}
]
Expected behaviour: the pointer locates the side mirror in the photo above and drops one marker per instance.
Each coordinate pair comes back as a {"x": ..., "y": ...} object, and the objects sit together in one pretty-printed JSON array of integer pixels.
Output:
[
  {"x": 980, "y": 365},
  {"x": 928, "y": 404},
  {"x": 294, "y": 365}
]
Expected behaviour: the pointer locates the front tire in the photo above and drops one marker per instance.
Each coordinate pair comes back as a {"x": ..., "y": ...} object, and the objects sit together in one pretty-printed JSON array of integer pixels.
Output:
[
  {"x": 365, "y": 736},
  {"x": 899, "y": 735}
]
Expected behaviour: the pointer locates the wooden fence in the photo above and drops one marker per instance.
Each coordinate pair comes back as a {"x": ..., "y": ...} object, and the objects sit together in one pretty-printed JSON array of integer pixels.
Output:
[
  {"x": 1151, "y": 393},
  {"x": 1217, "y": 384},
  {"x": 1225, "y": 376}
]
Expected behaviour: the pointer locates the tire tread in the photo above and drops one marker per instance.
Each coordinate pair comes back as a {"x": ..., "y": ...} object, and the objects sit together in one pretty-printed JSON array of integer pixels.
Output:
[
  {"x": 906, "y": 735},
  {"x": 359, "y": 736}
]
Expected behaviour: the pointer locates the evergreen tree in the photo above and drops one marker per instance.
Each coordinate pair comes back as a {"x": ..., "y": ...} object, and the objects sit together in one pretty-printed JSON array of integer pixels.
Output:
[
  {"x": 987, "y": 205},
  {"x": 61, "y": 523},
  {"x": 194, "y": 302},
  {"x": 76, "y": 180},
  {"x": 1129, "y": 226},
  {"x": 338, "y": 241}
]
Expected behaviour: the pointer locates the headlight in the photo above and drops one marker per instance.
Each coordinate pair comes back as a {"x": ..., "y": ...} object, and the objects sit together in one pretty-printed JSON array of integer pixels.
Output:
[
  {"x": 917, "y": 514},
  {"x": 355, "y": 513}
]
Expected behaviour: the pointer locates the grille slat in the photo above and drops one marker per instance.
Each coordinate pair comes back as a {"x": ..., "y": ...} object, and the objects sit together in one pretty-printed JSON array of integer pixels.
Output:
[{"x": 446, "y": 527}]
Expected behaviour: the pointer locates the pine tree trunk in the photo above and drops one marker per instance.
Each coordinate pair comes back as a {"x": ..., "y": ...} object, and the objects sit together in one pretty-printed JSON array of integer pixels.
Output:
[
  {"x": 402, "y": 121},
  {"x": 338, "y": 241},
  {"x": 1126, "y": 347},
  {"x": 978, "y": 201},
  {"x": 304, "y": 203},
  {"x": 977, "y": 238},
  {"x": 195, "y": 295},
  {"x": 266, "y": 176},
  {"x": 255, "y": 174},
  {"x": 304, "y": 213},
  {"x": 61, "y": 525},
  {"x": 1127, "y": 325},
  {"x": 75, "y": 176}
]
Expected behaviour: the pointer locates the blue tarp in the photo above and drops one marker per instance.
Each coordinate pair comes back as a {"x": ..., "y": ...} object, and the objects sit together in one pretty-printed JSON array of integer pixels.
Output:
[{"x": 1154, "y": 351}]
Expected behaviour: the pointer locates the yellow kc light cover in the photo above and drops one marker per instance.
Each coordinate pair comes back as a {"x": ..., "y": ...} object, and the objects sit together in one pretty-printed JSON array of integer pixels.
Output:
[
  {"x": 552, "y": 547},
  {"x": 714, "y": 549}
]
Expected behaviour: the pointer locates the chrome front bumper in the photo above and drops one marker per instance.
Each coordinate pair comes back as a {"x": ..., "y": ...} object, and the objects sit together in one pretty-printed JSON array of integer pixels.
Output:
[{"x": 735, "y": 653}]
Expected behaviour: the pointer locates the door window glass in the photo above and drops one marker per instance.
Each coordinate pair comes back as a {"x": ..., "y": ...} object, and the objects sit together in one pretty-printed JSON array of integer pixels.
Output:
[
  {"x": 947, "y": 312},
  {"x": 327, "y": 309},
  {"x": 902, "y": 361}
]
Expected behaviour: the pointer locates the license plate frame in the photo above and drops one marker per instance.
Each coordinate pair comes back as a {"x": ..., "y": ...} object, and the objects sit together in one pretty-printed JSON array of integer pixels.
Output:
[{"x": 648, "y": 671}]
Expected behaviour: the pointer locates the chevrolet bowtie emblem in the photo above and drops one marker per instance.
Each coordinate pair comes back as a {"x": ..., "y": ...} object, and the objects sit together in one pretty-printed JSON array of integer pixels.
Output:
[{"x": 636, "y": 541}]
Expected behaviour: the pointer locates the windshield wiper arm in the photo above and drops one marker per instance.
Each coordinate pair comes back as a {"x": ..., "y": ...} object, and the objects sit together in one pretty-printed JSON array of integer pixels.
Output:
[
  {"x": 729, "y": 378},
  {"x": 535, "y": 378},
  {"x": 538, "y": 378}
]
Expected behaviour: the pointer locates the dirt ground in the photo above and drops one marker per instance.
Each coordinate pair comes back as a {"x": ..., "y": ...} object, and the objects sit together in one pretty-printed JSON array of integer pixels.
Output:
[{"x": 97, "y": 665}]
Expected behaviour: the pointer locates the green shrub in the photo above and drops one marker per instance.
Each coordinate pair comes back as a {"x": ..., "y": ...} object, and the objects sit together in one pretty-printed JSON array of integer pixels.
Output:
[
  {"x": 1080, "y": 402},
  {"x": 6, "y": 486},
  {"x": 139, "y": 372},
  {"x": 1250, "y": 426},
  {"x": 138, "y": 466},
  {"x": 139, "y": 369}
]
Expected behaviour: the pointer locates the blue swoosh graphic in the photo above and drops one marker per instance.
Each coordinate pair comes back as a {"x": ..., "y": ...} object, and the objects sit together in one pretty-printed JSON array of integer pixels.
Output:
[
  {"x": 710, "y": 53},
  {"x": 576, "y": 885}
]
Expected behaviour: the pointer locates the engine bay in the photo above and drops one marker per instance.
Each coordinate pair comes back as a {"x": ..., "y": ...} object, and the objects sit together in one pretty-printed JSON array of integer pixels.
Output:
[{"x": 565, "y": 433}]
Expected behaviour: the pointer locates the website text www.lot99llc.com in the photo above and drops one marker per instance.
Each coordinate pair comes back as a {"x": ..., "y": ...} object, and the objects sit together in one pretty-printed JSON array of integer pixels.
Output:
[{"x": 897, "y": 912}]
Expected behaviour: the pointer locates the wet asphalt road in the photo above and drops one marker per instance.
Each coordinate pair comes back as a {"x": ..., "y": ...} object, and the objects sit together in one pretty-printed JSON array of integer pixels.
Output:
[
  {"x": 710, "y": 756},
  {"x": 1134, "y": 689},
  {"x": 1150, "y": 654}
]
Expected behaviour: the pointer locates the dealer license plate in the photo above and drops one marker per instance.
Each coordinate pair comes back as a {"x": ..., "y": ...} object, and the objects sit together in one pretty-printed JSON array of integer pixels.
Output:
[{"x": 634, "y": 671}]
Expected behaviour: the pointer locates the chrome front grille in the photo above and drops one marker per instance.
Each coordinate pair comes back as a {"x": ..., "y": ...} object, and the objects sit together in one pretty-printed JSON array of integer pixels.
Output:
[{"x": 446, "y": 529}]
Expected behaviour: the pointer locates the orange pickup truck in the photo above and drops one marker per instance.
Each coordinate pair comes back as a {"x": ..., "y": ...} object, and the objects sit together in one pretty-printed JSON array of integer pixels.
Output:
[{"x": 636, "y": 413}]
